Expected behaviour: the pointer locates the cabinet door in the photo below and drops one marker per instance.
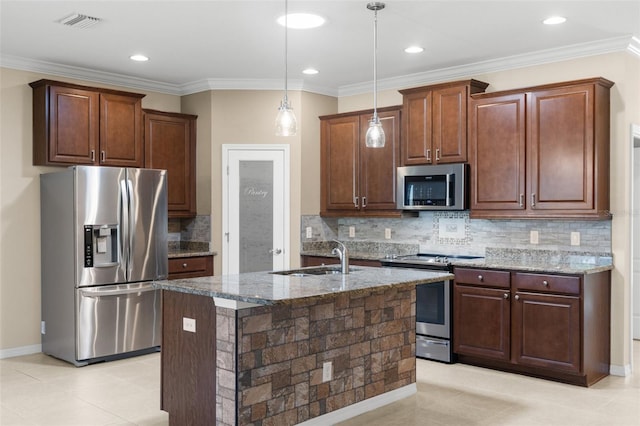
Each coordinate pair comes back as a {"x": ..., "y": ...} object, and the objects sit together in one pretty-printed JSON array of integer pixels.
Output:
[
  {"x": 417, "y": 131},
  {"x": 481, "y": 325},
  {"x": 497, "y": 154},
  {"x": 170, "y": 144},
  {"x": 121, "y": 142},
  {"x": 546, "y": 331},
  {"x": 73, "y": 126},
  {"x": 340, "y": 138},
  {"x": 561, "y": 148},
  {"x": 450, "y": 124},
  {"x": 377, "y": 188}
]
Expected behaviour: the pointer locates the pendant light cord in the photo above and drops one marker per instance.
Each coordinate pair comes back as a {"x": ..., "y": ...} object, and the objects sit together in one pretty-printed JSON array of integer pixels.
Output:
[
  {"x": 286, "y": 30},
  {"x": 375, "y": 65}
]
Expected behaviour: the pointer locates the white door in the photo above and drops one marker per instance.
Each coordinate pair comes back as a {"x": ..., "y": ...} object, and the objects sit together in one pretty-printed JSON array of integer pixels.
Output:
[{"x": 255, "y": 211}]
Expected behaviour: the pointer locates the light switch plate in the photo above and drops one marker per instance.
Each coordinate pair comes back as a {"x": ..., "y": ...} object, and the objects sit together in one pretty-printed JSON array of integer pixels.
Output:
[
  {"x": 352, "y": 231},
  {"x": 189, "y": 324},
  {"x": 533, "y": 237},
  {"x": 575, "y": 238},
  {"x": 387, "y": 233}
]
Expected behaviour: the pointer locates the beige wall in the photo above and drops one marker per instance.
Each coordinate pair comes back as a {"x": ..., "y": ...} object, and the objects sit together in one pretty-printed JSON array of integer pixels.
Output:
[
  {"x": 624, "y": 70},
  {"x": 20, "y": 206}
]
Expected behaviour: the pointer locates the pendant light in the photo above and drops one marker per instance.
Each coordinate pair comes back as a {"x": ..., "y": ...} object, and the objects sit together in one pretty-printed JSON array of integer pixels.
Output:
[
  {"x": 286, "y": 119},
  {"x": 375, "y": 134}
]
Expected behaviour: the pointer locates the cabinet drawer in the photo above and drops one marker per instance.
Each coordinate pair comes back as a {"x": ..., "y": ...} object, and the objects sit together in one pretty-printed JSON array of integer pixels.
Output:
[
  {"x": 547, "y": 283},
  {"x": 482, "y": 277},
  {"x": 185, "y": 267}
]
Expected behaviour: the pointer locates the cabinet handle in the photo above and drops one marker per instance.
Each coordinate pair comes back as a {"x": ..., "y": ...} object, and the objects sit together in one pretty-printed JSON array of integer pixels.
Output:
[
  {"x": 103, "y": 156},
  {"x": 364, "y": 202},
  {"x": 521, "y": 200},
  {"x": 356, "y": 202},
  {"x": 533, "y": 199},
  {"x": 506, "y": 295},
  {"x": 428, "y": 155},
  {"x": 480, "y": 278},
  {"x": 438, "y": 154},
  {"x": 545, "y": 283},
  {"x": 93, "y": 155},
  {"x": 184, "y": 265},
  {"x": 517, "y": 297}
]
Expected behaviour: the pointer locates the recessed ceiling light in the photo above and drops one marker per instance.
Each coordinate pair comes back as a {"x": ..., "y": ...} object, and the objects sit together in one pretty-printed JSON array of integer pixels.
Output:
[
  {"x": 310, "y": 71},
  {"x": 302, "y": 21},
  {"x": 414, "y": 49},
  {"x": 554, "y": 20},
  {"x": 138, "y": 58}
]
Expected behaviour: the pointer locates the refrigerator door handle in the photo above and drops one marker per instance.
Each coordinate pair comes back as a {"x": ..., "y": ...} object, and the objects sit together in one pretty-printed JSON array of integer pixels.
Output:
[
  {"x": 124, "y": 226},
  {"x": 97, "y": 292},
  {"x": 131, "y": 227}
]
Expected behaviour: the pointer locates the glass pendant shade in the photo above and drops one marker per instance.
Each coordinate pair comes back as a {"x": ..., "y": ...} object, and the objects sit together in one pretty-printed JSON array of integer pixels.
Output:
[
  {"x": 286, "y": 124},
  {"x": 375, "y": 134}
]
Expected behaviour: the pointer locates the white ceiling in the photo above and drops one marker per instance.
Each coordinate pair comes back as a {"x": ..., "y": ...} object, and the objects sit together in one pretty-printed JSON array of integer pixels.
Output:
[{"x": 199, "y": 45}]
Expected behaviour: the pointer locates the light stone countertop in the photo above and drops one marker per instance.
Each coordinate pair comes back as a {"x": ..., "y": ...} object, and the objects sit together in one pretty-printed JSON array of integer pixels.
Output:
[
  {"x": 178, "y": 253},
  {"x": 265, "y": 288}
]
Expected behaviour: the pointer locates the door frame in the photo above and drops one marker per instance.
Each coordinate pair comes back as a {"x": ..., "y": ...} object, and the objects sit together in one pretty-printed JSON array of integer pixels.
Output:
[
  {"x": 285, "y": 148},
  {"x": 635, "y": 145}
]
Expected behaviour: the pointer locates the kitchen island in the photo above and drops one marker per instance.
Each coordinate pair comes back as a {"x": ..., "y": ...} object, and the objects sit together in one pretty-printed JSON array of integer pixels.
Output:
[{"x": 270, "y": 349}]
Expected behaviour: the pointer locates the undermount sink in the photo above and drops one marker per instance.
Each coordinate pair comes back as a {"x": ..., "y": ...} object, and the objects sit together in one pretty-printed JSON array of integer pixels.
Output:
[{"x": 322, "y": 270}]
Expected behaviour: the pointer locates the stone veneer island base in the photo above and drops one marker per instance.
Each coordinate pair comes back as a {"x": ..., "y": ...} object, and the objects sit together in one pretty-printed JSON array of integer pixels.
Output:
[{"x": 257, "y": 357}]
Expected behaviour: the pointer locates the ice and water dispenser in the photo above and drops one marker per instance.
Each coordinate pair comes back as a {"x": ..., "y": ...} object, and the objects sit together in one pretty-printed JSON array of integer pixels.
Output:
[{"x": 100, "y": 245}]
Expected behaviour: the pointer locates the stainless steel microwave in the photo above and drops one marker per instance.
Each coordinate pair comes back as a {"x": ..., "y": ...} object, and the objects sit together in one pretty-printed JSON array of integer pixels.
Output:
[{"x": 439, "y": 187}]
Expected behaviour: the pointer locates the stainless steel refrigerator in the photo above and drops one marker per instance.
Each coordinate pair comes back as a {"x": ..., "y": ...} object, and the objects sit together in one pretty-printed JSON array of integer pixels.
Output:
[{"x": 104, "y": 240}]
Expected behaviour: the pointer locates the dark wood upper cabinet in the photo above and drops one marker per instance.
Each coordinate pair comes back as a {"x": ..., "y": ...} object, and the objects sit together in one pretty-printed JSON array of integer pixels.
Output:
[
  {"x": 434, "y": 123},
  {"x": 541, "y": 152},
  {"x": 356, "y": 180},
  {"x": 75, "y": 124},
  {"x": 170, "y": 144}
]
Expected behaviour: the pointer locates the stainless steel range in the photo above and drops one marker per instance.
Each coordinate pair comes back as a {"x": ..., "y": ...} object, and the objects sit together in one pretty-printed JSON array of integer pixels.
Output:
[{"x": 433, "y": 304}]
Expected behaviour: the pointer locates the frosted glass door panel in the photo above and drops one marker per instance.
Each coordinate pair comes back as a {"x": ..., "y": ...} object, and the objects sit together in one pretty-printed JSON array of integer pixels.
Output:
[{"x": 256, "y": 215}]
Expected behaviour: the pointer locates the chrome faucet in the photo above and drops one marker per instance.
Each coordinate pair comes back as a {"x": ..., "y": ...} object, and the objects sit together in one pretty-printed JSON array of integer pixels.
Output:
[{"x": 343, "y": 255}]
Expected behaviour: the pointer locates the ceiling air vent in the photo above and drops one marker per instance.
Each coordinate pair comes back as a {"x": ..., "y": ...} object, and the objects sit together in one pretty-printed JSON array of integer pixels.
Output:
[{"x": 77, "y": 20}]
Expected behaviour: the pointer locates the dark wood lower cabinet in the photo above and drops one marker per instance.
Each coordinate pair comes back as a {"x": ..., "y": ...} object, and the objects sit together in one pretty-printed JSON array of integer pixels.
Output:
[
  {"x": 188, "y": 359},
  {"x": 545, "y": 325},
  {"x": 483, "y": 318}
]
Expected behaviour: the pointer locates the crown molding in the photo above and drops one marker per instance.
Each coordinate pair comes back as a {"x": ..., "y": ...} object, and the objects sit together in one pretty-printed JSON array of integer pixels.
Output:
[
  {"x": 617, "y": 44},
  {"x": 86, "y": 74}
]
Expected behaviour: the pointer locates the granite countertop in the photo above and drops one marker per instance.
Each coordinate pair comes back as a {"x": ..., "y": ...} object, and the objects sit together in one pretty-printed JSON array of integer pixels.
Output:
[
  {"x": 265, "y": 288},
  {"x": 181, "y": 252},
  {"x": 542, "y": 261}
]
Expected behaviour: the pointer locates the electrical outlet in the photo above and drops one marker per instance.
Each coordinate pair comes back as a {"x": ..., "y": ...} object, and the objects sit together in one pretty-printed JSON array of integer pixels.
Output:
[
  {"x": 387, "y": 233},
  {"x": 352, "y": 231},
  {"x": 309, "y": 232},
  {"x": 533, "y": 237},
  {"x": 575, "y": 238},
  {"x": 189, "y": 324},
  {"x": 43, "y": 327},
  {"x": 326, "y": 371}
]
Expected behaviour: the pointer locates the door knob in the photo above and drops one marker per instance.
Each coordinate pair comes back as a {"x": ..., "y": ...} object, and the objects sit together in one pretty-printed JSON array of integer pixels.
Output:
[{"x": 275, "y": 251}]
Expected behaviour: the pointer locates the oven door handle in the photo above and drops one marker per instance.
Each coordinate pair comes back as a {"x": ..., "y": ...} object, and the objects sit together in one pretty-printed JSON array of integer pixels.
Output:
[{"x": 435, "y": 342}]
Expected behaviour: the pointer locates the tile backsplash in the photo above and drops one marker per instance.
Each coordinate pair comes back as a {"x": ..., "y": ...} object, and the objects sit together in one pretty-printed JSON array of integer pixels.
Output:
[
  {"x": 188, "y": 231},
  {"x": 455, "y": 232}
]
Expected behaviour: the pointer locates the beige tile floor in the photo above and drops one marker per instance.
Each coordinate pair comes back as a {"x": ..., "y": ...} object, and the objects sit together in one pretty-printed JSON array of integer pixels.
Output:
[{"x": 40, "y": 390}]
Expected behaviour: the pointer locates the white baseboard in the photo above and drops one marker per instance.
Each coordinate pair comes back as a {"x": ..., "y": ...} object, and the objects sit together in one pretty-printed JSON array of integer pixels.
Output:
[
  {"x": 22, "y": 350},
  {"x": 620, "y": 370},
  {"x": 362, "y": 407}
]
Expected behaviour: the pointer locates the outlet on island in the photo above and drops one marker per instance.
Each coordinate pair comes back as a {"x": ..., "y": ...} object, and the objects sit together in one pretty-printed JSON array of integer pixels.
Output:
[{"x": 326, "y": 371}]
